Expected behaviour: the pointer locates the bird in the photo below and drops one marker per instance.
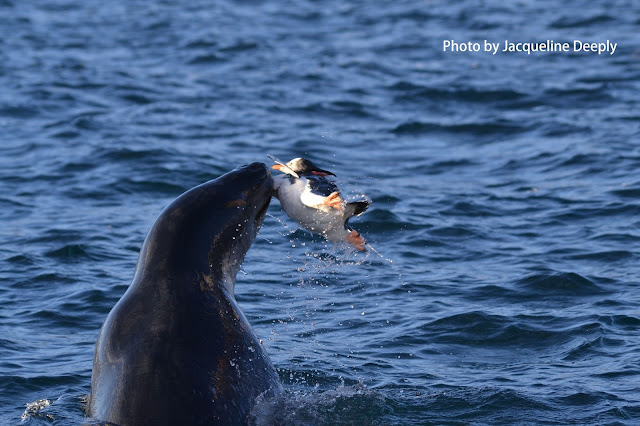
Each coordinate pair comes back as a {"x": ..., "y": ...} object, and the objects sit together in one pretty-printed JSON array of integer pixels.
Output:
[{"x": 308, "y": 196}]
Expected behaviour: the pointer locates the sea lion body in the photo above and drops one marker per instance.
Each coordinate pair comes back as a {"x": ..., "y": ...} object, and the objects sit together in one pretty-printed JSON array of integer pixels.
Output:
[{"x": 176, "y": 348}]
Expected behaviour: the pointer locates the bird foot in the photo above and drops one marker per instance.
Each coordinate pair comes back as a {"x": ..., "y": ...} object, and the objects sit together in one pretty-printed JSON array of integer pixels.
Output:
[
  {"x": 334, "y": 200},
  {"x": 356, "y": 240}
]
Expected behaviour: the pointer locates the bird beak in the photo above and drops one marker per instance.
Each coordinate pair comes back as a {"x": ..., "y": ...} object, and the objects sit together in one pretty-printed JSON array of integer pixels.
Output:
[
  {"x": 323, "y": 173},
  {"x": 280, "y": 166}
]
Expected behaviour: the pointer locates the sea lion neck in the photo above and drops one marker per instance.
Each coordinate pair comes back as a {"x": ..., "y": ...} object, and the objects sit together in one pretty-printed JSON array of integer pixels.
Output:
[{"x": 206, "y": 232}]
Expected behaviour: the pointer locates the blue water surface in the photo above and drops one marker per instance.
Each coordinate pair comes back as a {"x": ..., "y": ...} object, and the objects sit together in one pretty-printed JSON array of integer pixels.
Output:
[{"x": 505, "y": 189}]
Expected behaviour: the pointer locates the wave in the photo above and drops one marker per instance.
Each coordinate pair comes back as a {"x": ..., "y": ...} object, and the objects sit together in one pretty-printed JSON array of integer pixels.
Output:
[
  {"x": 497, "y": 127},
  {"x": 576, "y": 21},
  {"x": 560, "y": 284},
  {"x": 70, "y": 252},
  {"x": 410, "y": 91}
]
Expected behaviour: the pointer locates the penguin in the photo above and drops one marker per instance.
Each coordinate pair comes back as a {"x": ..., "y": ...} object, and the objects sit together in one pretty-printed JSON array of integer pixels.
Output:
[{"x": 308, "y": 196}]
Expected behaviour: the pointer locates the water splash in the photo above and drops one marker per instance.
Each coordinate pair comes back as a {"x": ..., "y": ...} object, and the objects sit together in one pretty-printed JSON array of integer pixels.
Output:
[
  {"x": 34, "y": 410},
  {"x": 350, "y": 404}
]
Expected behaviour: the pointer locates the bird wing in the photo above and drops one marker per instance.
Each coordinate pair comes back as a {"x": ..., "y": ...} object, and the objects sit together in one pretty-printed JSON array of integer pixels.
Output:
[
  {"x": 316, "y": 191},
  {"x": 321, "y": 185}
]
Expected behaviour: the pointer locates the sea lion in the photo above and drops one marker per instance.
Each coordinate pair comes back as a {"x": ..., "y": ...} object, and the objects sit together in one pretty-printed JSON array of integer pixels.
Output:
[{"x": 176, "y": 348}]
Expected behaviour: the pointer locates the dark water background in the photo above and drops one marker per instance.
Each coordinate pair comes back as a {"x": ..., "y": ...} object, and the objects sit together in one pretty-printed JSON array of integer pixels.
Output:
[{"x": 506, "y": 193}]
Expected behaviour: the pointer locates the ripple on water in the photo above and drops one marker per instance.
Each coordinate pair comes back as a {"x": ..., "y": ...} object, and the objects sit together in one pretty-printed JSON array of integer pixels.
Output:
[
  {"x": 70, "y": 253},
  {"x": 475, "y": 130},
  {"x": 486, "y": 330},
  {"x": 559, "y": 284}
]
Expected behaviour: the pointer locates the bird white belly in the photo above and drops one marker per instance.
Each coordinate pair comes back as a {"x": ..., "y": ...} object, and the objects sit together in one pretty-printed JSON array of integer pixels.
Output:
[{"x": 328, "y": 222}]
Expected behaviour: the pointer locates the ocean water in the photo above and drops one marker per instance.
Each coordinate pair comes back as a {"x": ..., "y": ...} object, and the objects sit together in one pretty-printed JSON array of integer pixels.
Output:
[{"x": 506, "y": 198}]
